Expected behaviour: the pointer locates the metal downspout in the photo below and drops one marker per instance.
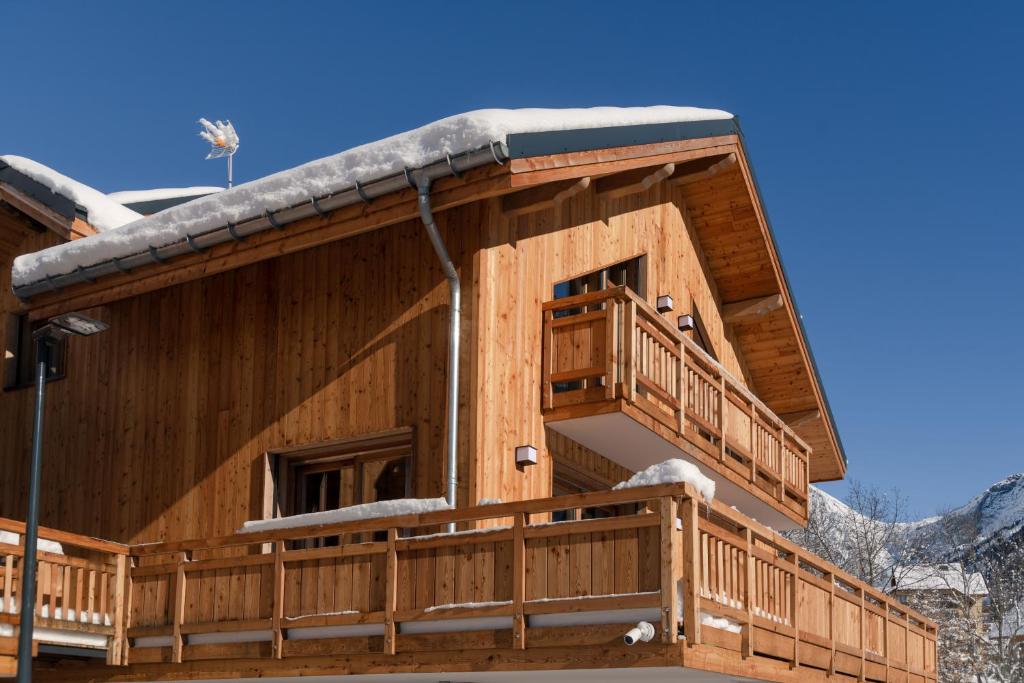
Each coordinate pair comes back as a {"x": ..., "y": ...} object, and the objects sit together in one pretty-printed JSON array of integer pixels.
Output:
[{"x": 454, "y": 326}]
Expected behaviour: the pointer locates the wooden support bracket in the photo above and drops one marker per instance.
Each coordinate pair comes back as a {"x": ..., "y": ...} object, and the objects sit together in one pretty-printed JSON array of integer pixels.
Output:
[
  {"x": 750, "y": 310},
  {"x": 631, "y": 182},
  {"x": 543, "y": 197}
]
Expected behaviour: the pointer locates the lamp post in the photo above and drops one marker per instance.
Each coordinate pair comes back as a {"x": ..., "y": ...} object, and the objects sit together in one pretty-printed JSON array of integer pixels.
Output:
[{"x": 66, "y": 325}]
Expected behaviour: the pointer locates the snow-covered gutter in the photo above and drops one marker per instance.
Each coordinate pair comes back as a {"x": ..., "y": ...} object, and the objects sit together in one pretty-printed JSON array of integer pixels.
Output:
[{"x": 494, "y": 153}]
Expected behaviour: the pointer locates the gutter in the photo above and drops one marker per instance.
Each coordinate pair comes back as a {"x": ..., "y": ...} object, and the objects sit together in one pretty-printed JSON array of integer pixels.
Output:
[{"x": 452, "y": 165}]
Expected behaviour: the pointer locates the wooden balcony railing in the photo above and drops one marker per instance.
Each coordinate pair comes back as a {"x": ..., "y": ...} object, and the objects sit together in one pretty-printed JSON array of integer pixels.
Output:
[
  {"x": 407, "y": 589},
  {"x": 253, "y": 596},
  {"x": 612, "y": 344},
  {"x": 80, "y": 590}
]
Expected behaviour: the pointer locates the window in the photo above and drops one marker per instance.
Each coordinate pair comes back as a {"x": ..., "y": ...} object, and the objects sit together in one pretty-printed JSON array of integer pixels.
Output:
[
  {"x": 20, "y": 353},
  {"x": 631, "y": 273},
  {"x": 700, "y": 334},
  {"x": 343, "y": 473},
  {"x": 567, "y": 480}
]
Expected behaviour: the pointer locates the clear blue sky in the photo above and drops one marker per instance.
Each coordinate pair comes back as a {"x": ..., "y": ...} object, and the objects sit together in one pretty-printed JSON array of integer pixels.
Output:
[{"x": 887, "y": 138}]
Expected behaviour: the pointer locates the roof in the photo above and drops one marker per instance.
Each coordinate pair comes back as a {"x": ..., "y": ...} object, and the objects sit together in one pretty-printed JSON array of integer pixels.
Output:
[
  {"x": 525, "y": 132},
  {"x": 148, "y": 202},
  {"x": 63, "y": 194},
  {"x": 939, "y": 577}
]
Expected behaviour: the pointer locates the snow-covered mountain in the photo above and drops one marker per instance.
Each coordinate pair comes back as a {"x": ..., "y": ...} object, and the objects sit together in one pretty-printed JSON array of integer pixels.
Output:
[{"x": 998, "y": 510}]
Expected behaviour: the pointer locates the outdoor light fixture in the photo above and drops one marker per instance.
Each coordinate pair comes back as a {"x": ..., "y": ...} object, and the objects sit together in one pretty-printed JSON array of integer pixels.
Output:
[
  {"x": 526, "y": 455},
  {"x": 664, "y": 303},
  {"x": 685, "y": 323},
  {"x": 57, "y": 328},
  {"x": 77, "y": 324}
]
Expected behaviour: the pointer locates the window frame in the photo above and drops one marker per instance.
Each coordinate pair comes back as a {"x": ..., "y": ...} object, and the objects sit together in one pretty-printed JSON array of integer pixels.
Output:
[
  {"x": 358, "y": 450},
  {"x": 20, "y": 357}
]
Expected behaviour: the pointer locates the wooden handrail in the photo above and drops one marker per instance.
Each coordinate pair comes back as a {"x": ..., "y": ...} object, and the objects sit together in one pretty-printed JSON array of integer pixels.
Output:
[{"x": 66, "y": 538}]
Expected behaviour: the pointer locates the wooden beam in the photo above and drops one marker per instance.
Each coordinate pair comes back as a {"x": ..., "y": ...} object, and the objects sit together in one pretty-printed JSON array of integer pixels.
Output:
[
  {"x": 543, "y": 197},
  {"x": 751, "y": 309},
  {"x": 801, "y": 418},
  {"x": 630, "y": 182}
]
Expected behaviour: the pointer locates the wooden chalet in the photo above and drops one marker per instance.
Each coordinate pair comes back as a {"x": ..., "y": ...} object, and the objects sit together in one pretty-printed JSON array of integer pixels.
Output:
[{"x": 622, "y": 304}]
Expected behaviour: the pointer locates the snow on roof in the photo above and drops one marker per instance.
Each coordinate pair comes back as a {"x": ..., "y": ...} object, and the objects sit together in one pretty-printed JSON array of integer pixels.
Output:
[
  {"x": 672, "y": 471},
  {"x": 102, "y": 212},
  {"x": 412, "y": 149},
  {"x": 383, "y": 508},
  {"x": 949, "y": 576},
  {"x": 157, "y": 193}
]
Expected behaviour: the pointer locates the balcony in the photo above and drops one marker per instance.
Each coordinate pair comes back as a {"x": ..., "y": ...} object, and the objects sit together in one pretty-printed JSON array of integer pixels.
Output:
[
  {"x": 619, "y": 379},
  {"x": 394, "y": 596}
]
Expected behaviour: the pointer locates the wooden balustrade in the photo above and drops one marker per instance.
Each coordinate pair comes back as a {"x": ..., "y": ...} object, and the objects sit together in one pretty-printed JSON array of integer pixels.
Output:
[
  {"x": 79, "y": 589},
  {"x": 612, "y": 345},
  {"x": 260, "y": 595}
]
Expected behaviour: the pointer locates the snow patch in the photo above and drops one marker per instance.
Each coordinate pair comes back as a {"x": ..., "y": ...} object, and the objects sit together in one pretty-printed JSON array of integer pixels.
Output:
[
  {"x": 11, "y": 538},
  {"x": 489, "y": 501},
  {"x": 672, "y": 471},
  {"x": 103, "y": 213},
  {"x": 722, "y": 623},
  {"x": 412, "y": 149},
  {"x": 383, "y": 508}
]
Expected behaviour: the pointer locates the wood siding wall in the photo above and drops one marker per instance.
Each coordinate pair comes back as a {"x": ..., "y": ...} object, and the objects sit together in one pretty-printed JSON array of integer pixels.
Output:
[
  {"x": 522, "y": 259},
  {"x": 167, "y": 417},
  {"x": 161, "y": 427}
]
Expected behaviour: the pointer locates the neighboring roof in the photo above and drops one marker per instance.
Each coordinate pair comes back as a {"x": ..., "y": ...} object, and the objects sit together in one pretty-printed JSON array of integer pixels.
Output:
[
  {"x": 531, "y": 129},
  {"x": 148, "y": 202},
  {"x": 939, "y": 577},
  {"x": 101, "y": 212}
]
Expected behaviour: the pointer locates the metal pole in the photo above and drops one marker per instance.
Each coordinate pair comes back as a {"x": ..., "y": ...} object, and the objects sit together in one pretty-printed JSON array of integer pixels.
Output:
[
  {"x": 28, "y": 560},
  {"x": 230, "y": 170}
]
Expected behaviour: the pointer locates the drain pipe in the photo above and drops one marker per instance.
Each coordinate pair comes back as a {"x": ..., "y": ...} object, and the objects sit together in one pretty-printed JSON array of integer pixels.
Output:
[{"x": 454, "y": 326}]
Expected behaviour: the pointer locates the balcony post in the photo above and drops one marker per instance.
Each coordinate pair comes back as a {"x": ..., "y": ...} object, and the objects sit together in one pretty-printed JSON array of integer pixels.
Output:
[
  {"x": 722, "y": 411},
  {"x": 547, "y": 398},
  {"x": 691, "y": 570},
  {"x": 863, "y": 636},
  {"x": 277, "y": 615},
  {"x": 611, "y": 348},
  {"x": 629, "y": 351},
  {"x": 391, "y": 593},
  {"x": 670, "y": 570},
  {"x": 782, "y": 462},
  {"x": 748, "y": 629},
  {"x": 518, "y": 581},
  {"x": 794, "y": 610},
  {"x": 115, "y": 653},
  {"x": 178, "y": 611},
  {"x": 831, "y": 623}
]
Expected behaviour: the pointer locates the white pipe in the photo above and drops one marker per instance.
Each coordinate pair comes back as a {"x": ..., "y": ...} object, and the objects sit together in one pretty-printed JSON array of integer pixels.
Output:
[{"x": 643, "y": 631}]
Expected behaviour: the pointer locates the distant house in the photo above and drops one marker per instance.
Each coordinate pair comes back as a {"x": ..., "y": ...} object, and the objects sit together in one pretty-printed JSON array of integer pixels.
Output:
[{"x": 945, "y": 584}]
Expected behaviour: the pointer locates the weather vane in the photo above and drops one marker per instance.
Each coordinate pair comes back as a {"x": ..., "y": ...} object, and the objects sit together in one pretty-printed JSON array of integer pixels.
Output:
[{"x": 223, "y": 141}]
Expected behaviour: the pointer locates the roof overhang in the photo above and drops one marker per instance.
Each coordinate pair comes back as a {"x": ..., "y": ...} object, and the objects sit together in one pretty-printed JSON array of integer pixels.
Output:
[{"x": 725, "y": 207}]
